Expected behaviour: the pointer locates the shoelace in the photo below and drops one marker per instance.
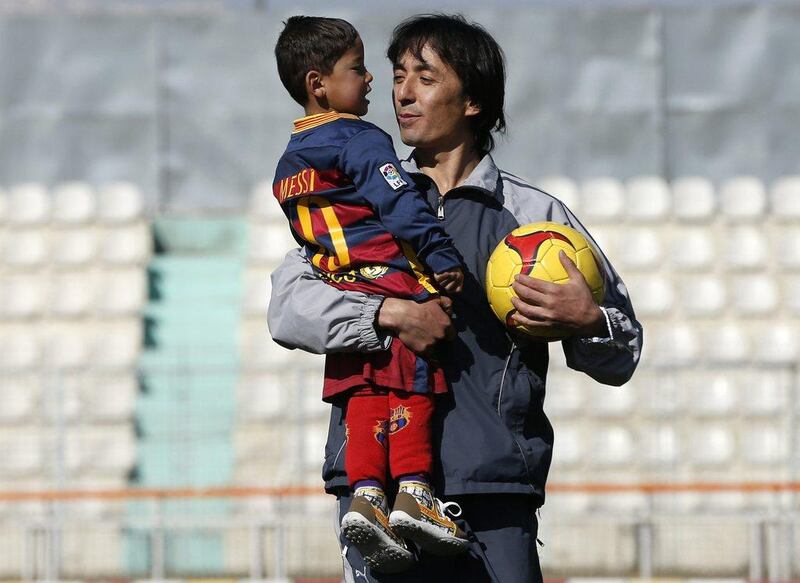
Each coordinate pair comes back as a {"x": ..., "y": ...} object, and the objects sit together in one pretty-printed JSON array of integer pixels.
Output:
[{"x": 443, "y": 507}]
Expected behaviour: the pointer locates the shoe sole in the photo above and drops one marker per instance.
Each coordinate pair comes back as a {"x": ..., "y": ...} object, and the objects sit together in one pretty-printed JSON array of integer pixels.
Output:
[
  {"x": 427, "y": 536},
  {"x": 377, "y": 549}
]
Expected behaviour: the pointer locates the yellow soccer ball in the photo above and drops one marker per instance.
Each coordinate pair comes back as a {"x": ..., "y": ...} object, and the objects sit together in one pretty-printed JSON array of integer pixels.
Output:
[{"x": 533, "y": 250}]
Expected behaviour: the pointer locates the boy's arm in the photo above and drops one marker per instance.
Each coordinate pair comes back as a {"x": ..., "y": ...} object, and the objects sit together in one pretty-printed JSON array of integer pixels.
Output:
[{"x": 369, "y": 160}]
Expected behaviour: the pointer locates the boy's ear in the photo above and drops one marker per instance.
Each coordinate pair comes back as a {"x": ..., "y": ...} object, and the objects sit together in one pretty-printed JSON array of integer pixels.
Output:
[{"x": 314, "y": 84}]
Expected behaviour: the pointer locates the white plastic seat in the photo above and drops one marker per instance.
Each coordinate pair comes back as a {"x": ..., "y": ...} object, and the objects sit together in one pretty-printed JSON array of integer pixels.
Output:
[
  {"x": 766, "y": 445},
  {"x": 28, "y": 205},
  {"x": 120, "y": 202},
  {"x": 22, "y": 452},
  {"x": 264, "y": 394},
  {"x": 660, "y": 446},
  {"x": 766, "y": 394},
  {"x": 73, "y": 203},
  {"x": 314, "y": 437},
  {"x": 743, "y": 198},
  {"x": 713, "y": 396},
  {"x": 621, "y": 503},
  {"x": 610, "y": 402},
  {"x": 566, "y": 397},
  {"x": 26, "y": 249},
  {"x": 74, "y": 247},
  {"x": 658, "y": 396},
  {"x": 109, "y": 398},
  {"x": 674, "y": 344},
  {"x": 3, "y": 206},
  {"x": 678, "y": 502},
  {"x": 791, "y": 293},
  {"x": 603, "y": 200},
  {"x": 259, "y": 351},
  {"x": 640, "y": 249},
  {"x": 754, "y": 295},
  {"x": 786, "y": 248},
  {"x": 101, "y": 450},
  {"x": 692, "y": 249},
  {"x": 693, "y": 199},
  {"x": 67, "y": 345},
  {"x": 61, "y": 396},
  {"x": 117, "y": 344},
  {"x": 23, "y": 296},
  {"x": 711, "y": 445},
  {"x": 269, "y": 243},
  {"x": 702, "y": 295},
  {"x": 777, "y": 343},
  {"x": 563, "y": 188},
  {"x": 648, "y": 199},
  {"x": 746, "y": 248},
  {"x": 568, "y": 446},
  {"x": 785, "y": 198},
  {"x": 607, "y": 239},
  {"x": 264, "y": 206},
  {"x": 121, "y": 292},
  {"x": 19, "y": 397},
  {"x": 611, "y": 447},
  {"x": 652, "y": 294},
  {"x": 126, "y": 245},
  {"x": 72, "y": 294},
  {"x": 257, "y": 290},
  {"x": 21, "y": 347},
  {"x": 727, "y": 342}
]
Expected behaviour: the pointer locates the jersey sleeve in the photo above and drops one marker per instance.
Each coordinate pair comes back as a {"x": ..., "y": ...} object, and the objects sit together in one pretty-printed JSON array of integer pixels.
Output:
[{"x": 369, "y": 160}]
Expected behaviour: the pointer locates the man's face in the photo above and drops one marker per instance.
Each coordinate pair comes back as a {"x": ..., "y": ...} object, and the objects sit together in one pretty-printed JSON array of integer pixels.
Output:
[{"x": 431, "y": 110}]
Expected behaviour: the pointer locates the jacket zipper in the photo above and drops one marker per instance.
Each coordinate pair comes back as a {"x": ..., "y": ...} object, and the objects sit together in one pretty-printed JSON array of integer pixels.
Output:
[
  {"x": 500, "y": 400},
  {"x": 440, "y": 209}
]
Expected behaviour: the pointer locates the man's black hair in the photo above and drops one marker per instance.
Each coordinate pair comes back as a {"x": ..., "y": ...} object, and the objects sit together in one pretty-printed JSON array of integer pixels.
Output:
[
  {"x": 310, "y": 43},
  {"x": 472, "y": 53}
]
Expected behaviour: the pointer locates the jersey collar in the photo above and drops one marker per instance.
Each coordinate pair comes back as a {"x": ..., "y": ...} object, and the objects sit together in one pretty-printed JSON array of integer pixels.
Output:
[
  {"x": 484, "y": 176},
  {"x": 312, "y": 121}
]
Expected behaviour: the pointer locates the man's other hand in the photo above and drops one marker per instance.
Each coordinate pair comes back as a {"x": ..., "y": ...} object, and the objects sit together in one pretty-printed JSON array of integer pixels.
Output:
[
  {"x": 564, "y": 308},
  {"x": 418, "y": 325}
]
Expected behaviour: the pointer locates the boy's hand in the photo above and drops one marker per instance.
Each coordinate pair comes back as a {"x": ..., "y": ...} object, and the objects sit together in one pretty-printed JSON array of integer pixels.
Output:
[{"x": 451, "y": 281}]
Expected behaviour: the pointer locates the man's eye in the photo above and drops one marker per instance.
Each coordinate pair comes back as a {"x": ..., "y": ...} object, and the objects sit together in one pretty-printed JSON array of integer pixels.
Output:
[
  {"x": 426, "y": 79},
  {"x": 398, "y": 78}
]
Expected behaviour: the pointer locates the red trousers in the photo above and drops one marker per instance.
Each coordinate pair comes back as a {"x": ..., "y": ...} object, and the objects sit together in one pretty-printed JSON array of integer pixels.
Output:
[{"x": 388, "y": 431}]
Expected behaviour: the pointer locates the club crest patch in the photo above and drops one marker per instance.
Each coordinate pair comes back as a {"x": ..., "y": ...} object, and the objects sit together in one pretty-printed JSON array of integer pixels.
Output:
[
  {"x": 381, "y": 431},
  {"x": 401, "y": 416},
  {"x": 392, "y": 176},
  {"x": 373, "y": 271}
]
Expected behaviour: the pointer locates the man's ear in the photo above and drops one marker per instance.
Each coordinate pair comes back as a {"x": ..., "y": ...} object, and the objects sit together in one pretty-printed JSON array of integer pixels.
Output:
[
  {"x": 314, "y": 84},
  {"x": 472, "y": 109}
]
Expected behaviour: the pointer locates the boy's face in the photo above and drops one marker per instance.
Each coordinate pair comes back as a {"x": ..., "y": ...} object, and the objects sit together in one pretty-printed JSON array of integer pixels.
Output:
[{"x": 347, "y": 86}]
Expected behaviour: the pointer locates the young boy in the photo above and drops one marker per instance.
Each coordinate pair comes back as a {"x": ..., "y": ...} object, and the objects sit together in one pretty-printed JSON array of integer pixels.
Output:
[{"x": 366, "y": 228}]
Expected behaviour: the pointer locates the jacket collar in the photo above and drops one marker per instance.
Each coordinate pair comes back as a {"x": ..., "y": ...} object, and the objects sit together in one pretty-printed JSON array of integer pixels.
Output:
[{"x": 484, "y": 176}]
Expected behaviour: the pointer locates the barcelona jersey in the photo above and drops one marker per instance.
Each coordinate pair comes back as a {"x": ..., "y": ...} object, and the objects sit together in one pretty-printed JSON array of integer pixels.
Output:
[{"x": 366, "y": 228}]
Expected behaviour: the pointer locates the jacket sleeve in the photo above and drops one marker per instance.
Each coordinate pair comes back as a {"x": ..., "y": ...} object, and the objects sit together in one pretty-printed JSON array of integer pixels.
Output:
[
  {"x": 610, "y": 359},
  {"x": 369, "y": 160},
  {"x": 307, "y": 313}
]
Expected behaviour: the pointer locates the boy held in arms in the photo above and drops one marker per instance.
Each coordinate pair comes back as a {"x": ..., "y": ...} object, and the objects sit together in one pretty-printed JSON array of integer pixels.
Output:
[{"x": 365, "y": 227}]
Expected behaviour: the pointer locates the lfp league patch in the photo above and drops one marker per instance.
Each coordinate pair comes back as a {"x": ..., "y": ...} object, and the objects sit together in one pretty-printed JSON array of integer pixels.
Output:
[{"x": 392, "y": 176}]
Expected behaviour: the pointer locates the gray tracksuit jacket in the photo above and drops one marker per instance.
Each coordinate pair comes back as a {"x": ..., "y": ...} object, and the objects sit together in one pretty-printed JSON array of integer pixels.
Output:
[{"x": 490, "y": 432}]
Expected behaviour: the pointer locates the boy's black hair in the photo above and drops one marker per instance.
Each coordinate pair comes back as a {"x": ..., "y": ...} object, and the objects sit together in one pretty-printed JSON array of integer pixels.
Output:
[
  {"x": 472, "y": 53},
  {"x": 310, "y": 43}
]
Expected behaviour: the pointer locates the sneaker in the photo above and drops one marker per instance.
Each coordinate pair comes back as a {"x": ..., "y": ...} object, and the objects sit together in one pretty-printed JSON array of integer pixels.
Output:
[
  {"x": 420, "y": 517},
  {"x": 366, "y": 526}
]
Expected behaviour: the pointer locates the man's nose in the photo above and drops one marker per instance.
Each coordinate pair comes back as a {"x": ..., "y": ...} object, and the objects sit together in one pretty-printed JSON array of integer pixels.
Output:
[{"x": 404, "y": 92}]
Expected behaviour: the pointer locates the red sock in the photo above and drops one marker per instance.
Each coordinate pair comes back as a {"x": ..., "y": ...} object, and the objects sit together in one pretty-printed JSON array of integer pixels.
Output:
[
  {"x": 410, "y": 433},
  {"x": 367, "y": 421}
]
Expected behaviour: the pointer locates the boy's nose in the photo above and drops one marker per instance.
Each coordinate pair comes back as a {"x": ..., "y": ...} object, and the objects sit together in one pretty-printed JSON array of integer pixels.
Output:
[{"x": 368, "y": 77}]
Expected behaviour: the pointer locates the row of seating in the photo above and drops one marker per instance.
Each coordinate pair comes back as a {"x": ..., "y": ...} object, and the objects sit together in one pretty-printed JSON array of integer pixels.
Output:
[{"x": 70, "y": 204}]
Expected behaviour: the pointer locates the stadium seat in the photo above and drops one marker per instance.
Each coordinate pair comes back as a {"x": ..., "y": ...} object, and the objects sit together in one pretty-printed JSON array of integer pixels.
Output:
[
  {"x": 623, "y": 504},
  {"x": 268, "y": 244},
  {"x": 28, "y": 205},
  {"x": 565, "y": 400},
  {"x": 766, "y": 445},
  {"x": 777, "y": 342},
  {"x": 677, "y": 502},
  {"x": 612, "y": 446},
  {"x": 602, "y": 200},
  {"x": 117, "y": 344},
  {"x": 23, "y": 296},
  {"x": 563, "y": 188},
  {"x": 693, "y": 199},
  {"x": 61, "y": 396},
  {"x": 311, "y": 406},
  {"x": 639, "y": 249},
  {"x": 121, "y": 292},
  {"x": 648, "y": 199},
  {"x": 257, "y": 289},
  {"x": 766, "y": 393},
  {"x": 701, "y": 295},
  {"x": 109, "y": 398},
  {"x": 72, "y": 294},
  {"x": 3, "y": 207},
  {"x": 258, "y": 442},
  {"x": 20, "y": 397},
  {"x": 659, "y": 446},
  {"x": 727, "y": 342},
  {"x": 314, "y": 436},
  {"x": 74, "y": 247},
  {"x": 264, "y": 206},
  {"x": 658, "y": 396},
  {"x": 73, "y": 203},
  {"x": 673, "y": 344},
  {"x": 791, "y": 293},
  {"x": 568, "y": 450},
  {"x": 67, "y": 345},
  {"x": 567, "y": 504},
  {"x": 786, "y": 248},
  {"x": 653, "y": 294},
  {"x": 754, "y": 295},
  {"x": 120, "y": 202},
  {"x": 261, "y": 396},
  {"x": 609, "y": 402},
  {"x": 746, "y": 248},
  {"x": 743, "y": 198},
  {"x": 714, "y": 395},
  {"x": 22, "y": 452},
  {"x": 26, "y": 249},
  {"x": 258, "y": 349},
  {"x": 711, "y": 445},
  {"x": 785, "y": 199},
  {"x": 21, "y": 347},
  {"x": 126, "y": 245},
  {"x": 101, "y": 450},
  {"x": 692, "y": 249},
  {"x": 607, "y": 239}
]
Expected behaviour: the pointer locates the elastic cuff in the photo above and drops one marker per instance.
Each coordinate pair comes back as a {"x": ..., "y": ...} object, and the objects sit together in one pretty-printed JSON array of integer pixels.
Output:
[
  {"x": 600, "y": 339},
  {"x": 370, "y": 338}
]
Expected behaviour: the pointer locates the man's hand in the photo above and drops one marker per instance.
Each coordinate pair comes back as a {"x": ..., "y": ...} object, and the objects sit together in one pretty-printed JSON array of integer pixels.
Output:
[
  {"x": 417, "y": 325},
  {"x": 564, "y": 308},
  {"x": 450, "y": 281}
]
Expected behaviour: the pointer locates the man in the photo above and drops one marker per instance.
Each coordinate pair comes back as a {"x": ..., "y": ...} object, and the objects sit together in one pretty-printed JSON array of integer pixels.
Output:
[{"x": 491, "y": 438}]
